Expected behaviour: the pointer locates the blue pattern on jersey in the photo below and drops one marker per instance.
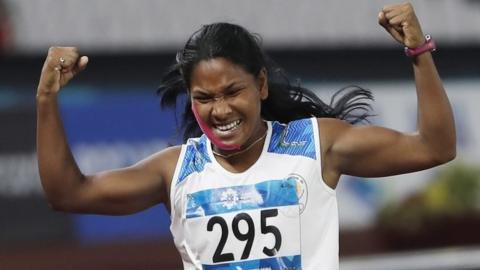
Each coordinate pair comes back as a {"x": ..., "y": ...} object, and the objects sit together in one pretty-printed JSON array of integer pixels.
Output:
[
  {"x": 196, "y": 156},
  {"x": 296, "y": 139},
  {"x": 272, "y": 193},
  {"x": 278, "y": 263}
]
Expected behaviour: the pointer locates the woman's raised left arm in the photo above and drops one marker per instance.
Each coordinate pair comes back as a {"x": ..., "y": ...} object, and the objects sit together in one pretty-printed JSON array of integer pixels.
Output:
[
  {"x": 376, "y": 151},
  {"x": 435, "y": 118}
]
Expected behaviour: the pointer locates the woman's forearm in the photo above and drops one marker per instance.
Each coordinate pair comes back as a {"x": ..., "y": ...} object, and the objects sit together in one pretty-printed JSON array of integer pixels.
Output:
[
  {"x": 435, "y": 120},
  {"x": 58, "y": 171}
]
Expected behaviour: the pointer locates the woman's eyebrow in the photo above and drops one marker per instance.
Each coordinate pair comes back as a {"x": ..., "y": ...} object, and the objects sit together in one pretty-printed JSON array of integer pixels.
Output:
[
  {"x": 230, "y": 86},
  {"x": 200, "y": 91},
  {"x": 208, "y": 91}
]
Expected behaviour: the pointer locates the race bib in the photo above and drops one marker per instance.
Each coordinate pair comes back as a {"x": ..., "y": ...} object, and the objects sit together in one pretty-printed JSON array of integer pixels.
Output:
[{"x": 250, "y": 227}]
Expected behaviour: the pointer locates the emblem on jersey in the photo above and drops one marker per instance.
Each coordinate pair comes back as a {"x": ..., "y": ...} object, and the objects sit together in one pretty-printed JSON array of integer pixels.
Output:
[
  {"x": 229, "y": 198},
  {"x": 302, "y": 190}
]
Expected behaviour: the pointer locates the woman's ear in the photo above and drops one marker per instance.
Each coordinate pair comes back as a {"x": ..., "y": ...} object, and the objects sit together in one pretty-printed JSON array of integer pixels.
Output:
[{"x": 263, "y": 83}]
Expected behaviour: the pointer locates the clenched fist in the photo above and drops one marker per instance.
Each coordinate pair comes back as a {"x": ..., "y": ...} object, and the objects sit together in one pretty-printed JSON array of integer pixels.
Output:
[
  {"x": 61, "y": 65},
  {"x": 402, "y": 23}
]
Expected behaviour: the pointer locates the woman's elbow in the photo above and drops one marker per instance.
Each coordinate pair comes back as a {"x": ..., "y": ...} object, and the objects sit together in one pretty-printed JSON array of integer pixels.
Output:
[
  {"x": 447, "y": 154},
  {"x": 56, "y": 207},
  {"x": 451, "y": 155},
  {"x": 61, "y": 201},
  {"x": 57, "y": 204}
]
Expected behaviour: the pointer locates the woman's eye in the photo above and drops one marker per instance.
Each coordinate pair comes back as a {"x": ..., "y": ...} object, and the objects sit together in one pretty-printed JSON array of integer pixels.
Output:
[
  {"x": 234, "y": 92},
  {"x": 203, "y": 99}
]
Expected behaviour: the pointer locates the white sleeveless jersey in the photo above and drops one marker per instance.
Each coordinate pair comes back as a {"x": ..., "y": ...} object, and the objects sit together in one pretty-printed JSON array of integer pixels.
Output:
[{"x": 278, "y": 214}]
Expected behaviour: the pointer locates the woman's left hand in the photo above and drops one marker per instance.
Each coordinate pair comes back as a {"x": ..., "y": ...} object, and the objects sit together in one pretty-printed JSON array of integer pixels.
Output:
[{"x": 402, "y": 23}]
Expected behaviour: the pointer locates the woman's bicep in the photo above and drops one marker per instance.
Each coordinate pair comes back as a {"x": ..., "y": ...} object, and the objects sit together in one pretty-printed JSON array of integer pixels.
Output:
[
  {"x": 122, "y": 191},
  {"x": 127, "y": 190},
  {"x": 372, "y": 151}
]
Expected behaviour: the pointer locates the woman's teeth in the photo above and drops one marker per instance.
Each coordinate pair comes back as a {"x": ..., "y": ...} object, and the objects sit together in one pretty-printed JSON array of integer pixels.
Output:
[{"x": 228, "y": 127}]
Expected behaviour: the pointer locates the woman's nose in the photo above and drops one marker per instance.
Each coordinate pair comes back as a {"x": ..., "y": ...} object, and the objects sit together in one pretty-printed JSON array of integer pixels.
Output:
[{"x": 221, "y": 108}]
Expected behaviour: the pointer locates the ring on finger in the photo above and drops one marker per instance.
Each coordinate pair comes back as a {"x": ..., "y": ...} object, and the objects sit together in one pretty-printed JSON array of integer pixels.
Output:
[{"x": 62, "y": 60}]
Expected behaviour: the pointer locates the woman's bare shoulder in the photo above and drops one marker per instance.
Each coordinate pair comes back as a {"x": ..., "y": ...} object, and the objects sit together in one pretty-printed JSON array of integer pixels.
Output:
[{"x": 330, "y": 129}]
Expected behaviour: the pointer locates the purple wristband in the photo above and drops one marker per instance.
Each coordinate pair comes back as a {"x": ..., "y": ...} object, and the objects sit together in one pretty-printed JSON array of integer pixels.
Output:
[{"x": 428, "y": 46}]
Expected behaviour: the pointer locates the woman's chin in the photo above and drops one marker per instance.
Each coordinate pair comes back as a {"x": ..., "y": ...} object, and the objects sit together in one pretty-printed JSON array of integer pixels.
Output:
[
  {"x": 224, "y": 140},
  {"x": 226, "y": 144},
  {"x": 229, "y": 147}
]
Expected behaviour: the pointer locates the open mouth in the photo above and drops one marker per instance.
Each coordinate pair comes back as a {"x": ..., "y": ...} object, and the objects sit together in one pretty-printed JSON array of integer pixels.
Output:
[{"x": 228, "y": 127}]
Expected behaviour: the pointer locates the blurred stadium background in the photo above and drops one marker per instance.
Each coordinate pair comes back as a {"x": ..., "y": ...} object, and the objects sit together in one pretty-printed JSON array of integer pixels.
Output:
[{"x": 425, "y": 220}]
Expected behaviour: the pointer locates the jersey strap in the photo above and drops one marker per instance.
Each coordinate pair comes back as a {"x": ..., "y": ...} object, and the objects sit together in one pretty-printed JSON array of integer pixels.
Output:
[
  {"x": 296, "y": 138},
  {"x": 195, "y": 158}
]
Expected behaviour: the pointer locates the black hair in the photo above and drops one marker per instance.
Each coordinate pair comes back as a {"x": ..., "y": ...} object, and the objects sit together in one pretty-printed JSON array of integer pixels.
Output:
[{"x": 285, "y": 102}]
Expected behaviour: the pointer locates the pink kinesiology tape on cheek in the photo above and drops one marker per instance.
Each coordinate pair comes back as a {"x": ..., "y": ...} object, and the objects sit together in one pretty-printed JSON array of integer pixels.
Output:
[{"x": 214, "y": 139}]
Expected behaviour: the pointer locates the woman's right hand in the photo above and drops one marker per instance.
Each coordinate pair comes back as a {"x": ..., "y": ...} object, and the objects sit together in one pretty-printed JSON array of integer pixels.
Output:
[{"x": 61, "y": 65}]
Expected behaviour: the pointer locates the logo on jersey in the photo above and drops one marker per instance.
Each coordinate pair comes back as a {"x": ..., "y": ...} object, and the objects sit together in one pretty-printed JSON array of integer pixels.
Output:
[
  {"x": 302, "y": 190},
  {"x": 229, "y": 198},
  {"x": 283, "y": 140}
]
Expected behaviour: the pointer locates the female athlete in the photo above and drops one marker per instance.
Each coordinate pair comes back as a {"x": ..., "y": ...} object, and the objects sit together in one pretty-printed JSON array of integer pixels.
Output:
[{"x": 256, "y": 189}]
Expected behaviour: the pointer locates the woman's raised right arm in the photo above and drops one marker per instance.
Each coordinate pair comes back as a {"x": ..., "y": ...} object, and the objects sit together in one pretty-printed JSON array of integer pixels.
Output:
[{"x": 121, "y": 191}]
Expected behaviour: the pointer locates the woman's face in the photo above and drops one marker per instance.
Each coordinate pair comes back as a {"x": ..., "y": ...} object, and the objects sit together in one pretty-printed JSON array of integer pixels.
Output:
[{"x": 227, "y": 98}]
